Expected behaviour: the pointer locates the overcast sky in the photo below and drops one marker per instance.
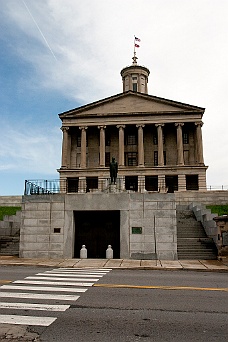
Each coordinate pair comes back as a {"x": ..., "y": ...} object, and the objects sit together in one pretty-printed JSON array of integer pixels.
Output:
[{"x": 56, "y": 55}]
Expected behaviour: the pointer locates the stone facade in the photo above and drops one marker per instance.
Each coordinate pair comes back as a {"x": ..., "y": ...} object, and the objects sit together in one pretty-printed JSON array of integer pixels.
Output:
[
  {"x": 156, "y": 142},
  {"x": 147, "y": 224}
]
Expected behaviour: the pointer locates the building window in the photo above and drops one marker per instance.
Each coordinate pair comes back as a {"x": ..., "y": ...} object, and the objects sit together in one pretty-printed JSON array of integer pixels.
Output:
[
  {"x": 107, "y": 159},
  {"x": 185, "y": 138},
  {"x": 192, "y": 182},
  {"x": 72, "y": 184},
  {"x": 131, "y": 159},
  {"x": 131, "y": 183},
  {"x": 155, "y": 158},
  {"x": 135, "y": 87},
  {"x": 131, "y": 139},
  {"x": 164, "y": 156},
  {"x": 91, "y": 183},
  {"x": 155, "y": 139},
  {"x": 78, "y": 140},
  {"x": 151, "y": 183},
  {"x": 107, "y": 139}
]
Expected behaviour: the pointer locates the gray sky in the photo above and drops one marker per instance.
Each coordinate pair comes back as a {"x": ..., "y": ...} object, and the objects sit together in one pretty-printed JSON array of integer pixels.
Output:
[{"x": 60, "y": 54}]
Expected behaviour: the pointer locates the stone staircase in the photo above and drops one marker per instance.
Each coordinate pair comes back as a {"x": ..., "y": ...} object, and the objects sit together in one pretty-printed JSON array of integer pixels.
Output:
[{"x": 192, "y": 241}]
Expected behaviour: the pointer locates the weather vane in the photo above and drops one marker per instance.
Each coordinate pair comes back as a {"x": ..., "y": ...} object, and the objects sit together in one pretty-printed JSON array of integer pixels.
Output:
[{"x": 136, "y": 45}]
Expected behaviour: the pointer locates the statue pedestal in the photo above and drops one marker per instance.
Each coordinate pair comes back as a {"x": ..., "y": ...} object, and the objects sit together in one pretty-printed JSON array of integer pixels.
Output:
[{"x": 113, "y": 188}]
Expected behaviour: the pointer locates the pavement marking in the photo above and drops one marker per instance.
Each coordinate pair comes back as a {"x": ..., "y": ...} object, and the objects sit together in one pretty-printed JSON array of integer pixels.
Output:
[
  {"x": 42, "y": 296},
  {"x": 33, "y": 306},
  {"x": 49, "y": 277},
  {"x": 40, "y": 282},
  {"x": 84, "y": 269},
  {"x": 42, "y": 288},
  {"x": 3, "y": 281},
  {"x": 71, "y": 274},
  {"x": 160, "y": 287},
  {"x": 90, "y": 274},
  {"x": 27, "y": 320}
]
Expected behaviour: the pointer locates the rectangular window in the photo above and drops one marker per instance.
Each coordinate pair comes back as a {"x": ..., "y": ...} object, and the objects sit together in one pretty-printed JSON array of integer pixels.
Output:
[
  {"x": 164, "y": 156},
  {"x": 151, "y": 183},
  {"x": 131, "y": 159},
  {"x": 185, "y": 138},
  {"x": 91, "y": 183},
  {"x": 107, "y": 159},
  {"x": 131, "y": 139},
  {"x": 107, "y": 139},
  {"x": 135, "y": 88},
  {"x": 78, "y": 140},
  {"x": 192, "y": 182},
  {"x": 155, "y": 158},
  {"x": 72, "y": 184},
  {"x": 155, "y": 139}
]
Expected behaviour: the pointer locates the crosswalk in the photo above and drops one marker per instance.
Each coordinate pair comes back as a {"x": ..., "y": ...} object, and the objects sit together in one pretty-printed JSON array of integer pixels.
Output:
[{"x": 48, "y": 292}]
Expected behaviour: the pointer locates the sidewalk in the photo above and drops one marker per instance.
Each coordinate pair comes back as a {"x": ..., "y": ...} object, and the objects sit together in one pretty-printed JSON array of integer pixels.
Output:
[{"x": 194, "y": 265}]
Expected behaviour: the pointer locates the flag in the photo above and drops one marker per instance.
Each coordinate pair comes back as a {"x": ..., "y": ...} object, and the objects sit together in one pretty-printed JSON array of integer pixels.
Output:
[
  {"x": 136, "y": 45},
  {"x": 137, "y": 39}
]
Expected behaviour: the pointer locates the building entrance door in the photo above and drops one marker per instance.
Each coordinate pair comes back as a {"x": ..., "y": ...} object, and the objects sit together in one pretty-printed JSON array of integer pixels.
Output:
[{"x": 96, "y": 230}]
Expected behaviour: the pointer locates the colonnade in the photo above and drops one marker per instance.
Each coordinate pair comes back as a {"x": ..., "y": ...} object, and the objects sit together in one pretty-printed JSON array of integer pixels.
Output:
[{"x": 140, "y": 127}]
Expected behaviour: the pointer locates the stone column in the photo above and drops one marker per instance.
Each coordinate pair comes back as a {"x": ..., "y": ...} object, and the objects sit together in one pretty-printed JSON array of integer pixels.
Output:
[
  {"x": 83, "y": 146},
  {"x": 140, "y": 145},
  {"x": 181, "y": 183},
  {"x": 65, "y": 131},
  {"x": 180, "y": 151},
  {"x": 199, "y": 142},
  {"x": 121, "y": 144},
  {"x": 102, "y": 145},
  {"x": 160, "y": 144}
]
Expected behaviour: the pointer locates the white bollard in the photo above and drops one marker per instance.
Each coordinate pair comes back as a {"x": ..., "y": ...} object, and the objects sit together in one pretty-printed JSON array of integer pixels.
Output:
[
  {"x": 83, "y": 252},
  {"x": 109, "y": 252}
]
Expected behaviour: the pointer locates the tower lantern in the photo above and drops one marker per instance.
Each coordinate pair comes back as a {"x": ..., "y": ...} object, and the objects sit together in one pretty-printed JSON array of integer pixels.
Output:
[{"x": 135, "y": 77}]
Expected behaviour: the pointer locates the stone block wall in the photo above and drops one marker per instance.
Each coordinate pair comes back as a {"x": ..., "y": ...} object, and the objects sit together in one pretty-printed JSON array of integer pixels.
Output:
[
  {"x": 204, "y": 197},
  {"x": 48, "y": 224}
]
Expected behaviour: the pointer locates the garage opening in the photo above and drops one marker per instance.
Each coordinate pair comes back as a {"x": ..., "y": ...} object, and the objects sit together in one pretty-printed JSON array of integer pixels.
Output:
[{"x": 96, "y": 230}]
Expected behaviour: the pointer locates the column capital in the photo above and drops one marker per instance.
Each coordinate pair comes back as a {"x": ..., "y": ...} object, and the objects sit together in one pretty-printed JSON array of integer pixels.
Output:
[
  {"x": 64, "y": 128},
  {"x": 83, "y": 127},
  {"x": 179, "y": 124},
  {"x": 159, "y": 125},
  {"x": 101, "y": 127},
  {"x": 199, "y": 123},
  {"x": 140, "y": 125},
  {"x": 121, "y": 126}
]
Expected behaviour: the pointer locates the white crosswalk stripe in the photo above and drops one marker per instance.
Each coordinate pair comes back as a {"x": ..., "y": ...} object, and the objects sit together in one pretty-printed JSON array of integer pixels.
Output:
[
  {"x": 42, "y": 288},
  {"x": 29, "y": 306},
  {"x": 54, "y": 282},
  {"x": 62, "y": 278},
  {"x": 40, "y": 282}
]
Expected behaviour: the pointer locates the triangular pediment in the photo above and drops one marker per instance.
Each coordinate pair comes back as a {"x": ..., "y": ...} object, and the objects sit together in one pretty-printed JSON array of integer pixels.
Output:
[{"x": 130, "y": 103}]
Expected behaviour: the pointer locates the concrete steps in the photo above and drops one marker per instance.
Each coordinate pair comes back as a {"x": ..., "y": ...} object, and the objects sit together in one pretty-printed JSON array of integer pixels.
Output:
[{"x": 192, "y": 241}]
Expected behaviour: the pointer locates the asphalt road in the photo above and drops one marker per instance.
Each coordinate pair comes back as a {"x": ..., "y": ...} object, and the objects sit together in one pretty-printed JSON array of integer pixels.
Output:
[{"x": 137, "y": 305}]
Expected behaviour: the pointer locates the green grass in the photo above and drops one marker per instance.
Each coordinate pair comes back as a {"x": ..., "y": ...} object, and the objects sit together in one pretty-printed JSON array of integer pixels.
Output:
[
  {"x": 218, "y": 209},
  {"x": 8, "y": 211}
]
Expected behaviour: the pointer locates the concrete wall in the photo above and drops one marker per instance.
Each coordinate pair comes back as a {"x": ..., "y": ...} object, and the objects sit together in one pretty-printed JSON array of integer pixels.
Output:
[
  {"x": 10, "y": 201},
  {"x": 204, "y": 197},
  {"x": 155, "y": 214}
]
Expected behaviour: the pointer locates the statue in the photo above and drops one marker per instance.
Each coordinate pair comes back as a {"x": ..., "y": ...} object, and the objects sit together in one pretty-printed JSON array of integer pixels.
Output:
[{"x": 113, "y": 170}]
